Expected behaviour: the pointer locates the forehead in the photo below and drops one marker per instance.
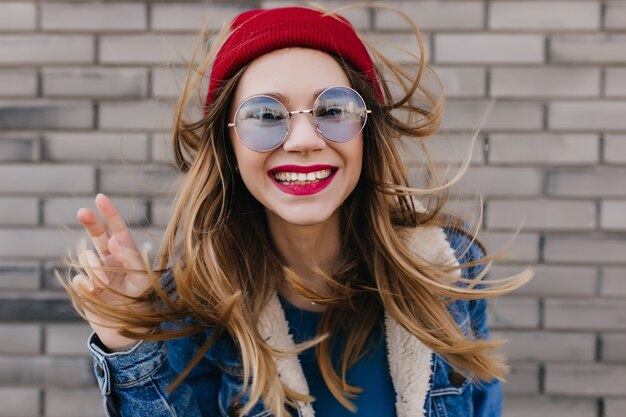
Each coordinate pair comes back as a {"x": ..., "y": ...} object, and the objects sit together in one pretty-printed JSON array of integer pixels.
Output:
[{"x": 295, "y": 73}]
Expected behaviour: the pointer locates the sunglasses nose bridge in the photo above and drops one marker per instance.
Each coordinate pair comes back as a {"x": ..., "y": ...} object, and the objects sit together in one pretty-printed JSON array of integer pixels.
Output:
[
  {"x": 301, "y": 137},
  {"x": 305, "y": 111}
]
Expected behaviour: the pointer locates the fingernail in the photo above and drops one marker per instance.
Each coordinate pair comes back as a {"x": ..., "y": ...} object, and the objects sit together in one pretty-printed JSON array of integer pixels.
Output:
[{"x": 116, "y": 242}]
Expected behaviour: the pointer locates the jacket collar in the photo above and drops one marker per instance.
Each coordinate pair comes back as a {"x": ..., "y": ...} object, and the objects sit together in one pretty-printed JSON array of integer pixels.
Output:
[{"x": 410, "y": 361}]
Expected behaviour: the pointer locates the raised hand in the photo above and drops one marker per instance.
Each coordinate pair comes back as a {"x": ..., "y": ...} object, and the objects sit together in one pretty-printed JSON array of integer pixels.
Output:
[{"x": 115, "y": 247}]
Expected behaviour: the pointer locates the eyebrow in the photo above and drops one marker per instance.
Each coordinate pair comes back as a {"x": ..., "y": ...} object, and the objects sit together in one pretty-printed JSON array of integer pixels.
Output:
[{"x": 285, "y": 100}]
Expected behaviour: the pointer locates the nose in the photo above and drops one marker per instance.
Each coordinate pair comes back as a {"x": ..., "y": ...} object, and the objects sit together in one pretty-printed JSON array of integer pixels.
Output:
[{"x": 302, "y": 136}]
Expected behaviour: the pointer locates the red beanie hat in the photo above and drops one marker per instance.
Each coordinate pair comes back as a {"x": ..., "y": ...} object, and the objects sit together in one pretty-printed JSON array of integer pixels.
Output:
[{"x": 258, "y": 32}]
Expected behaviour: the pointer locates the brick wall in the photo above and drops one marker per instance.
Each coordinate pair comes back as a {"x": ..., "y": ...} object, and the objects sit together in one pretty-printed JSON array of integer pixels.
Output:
[{"x": 85, "y": 107}]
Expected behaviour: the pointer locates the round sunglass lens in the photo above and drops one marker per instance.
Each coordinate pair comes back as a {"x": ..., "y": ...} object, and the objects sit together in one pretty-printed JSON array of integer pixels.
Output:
[
  {"x": 262, "y": 123},
  {"x": 340, "y": 114}
]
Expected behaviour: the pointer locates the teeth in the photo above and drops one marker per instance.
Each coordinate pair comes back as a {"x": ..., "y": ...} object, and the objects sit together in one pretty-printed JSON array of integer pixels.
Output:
[{"x": 301, "y": 177}]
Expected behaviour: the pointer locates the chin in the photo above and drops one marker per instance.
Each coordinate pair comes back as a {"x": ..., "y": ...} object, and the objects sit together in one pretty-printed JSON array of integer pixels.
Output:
[{"x": 304, "y": 217}]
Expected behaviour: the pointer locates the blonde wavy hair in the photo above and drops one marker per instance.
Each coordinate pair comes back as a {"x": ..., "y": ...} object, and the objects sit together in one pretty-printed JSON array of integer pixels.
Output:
[{"x": 223, "y": 266}]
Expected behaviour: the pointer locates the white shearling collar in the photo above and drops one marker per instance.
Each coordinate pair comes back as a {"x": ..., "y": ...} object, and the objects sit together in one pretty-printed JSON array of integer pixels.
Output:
[{"x": 410, "y": 361}]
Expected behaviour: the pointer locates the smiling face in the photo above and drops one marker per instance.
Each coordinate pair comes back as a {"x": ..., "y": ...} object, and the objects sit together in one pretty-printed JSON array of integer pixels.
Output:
[{"x": 307, "y": 178}]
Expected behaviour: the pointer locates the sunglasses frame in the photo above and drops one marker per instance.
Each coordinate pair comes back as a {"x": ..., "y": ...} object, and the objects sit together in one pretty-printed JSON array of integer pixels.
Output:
[{"x": 291, "y": 113}]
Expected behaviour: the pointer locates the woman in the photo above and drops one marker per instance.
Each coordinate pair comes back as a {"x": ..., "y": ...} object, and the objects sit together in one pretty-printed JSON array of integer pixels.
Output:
[{"x": 298, "y": 275}]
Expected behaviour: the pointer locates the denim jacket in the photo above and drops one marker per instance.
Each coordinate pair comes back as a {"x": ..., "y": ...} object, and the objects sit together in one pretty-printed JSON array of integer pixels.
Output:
[{"x": 133, "y": 382}]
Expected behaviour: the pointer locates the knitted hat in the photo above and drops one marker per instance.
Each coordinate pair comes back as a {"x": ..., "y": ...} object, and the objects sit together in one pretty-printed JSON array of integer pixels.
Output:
[{"x": 258, "y": 32}]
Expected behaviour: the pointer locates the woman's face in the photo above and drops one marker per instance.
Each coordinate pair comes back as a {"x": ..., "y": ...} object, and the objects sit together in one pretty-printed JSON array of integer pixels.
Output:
[{"x": 296, "y": 76}]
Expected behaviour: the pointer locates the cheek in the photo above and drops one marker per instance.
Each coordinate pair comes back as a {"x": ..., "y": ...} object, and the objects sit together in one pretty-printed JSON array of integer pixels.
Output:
[
  {"x": 356, "y": 158},
  {"x": 251, "y": 165}
]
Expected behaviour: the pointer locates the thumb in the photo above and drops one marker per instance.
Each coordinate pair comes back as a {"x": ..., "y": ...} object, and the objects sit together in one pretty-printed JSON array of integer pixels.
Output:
[{"x": 128, "y": 257}]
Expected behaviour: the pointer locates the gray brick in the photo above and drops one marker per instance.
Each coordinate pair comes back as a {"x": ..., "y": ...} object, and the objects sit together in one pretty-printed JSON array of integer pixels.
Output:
[
  {"x": 19, "y": 211},
  {"x": 432, "y": 15},
  {"x": 149, "y": 115},
  {"x": 587, "y": 115},
  {"x": 467, "y": 114},
  {"x": 467, "y": 209},
  {"x": 17, "y": 16},
  {"x": 190, "y": 17},
  {"x": 46, "y": 114},
  {"x": 93, "y": 17},
  {"x": 555, "y": 280},
  {"x": 463, "y": 82},
  {"x": 162, "y": 148},
  {"x": 36, "y": 243},
  {"x": 545, "y": 15},
  {"x": 18, "y": 83},
  {"x": 43, "y": 49},
  {"x": 19, "y": 146},
  {"x": 95, "y": 146},
  {"x": 585, "y": 314},
  {"x": 521, "y": 248},
  {"x": 541, "y": 214},
  {"x": 615, "y": 149},
  {"x": 615, "y": 16},
  {"x": 549, "y": 407},
  {"x": 62, "y": 211},
  {"x": 53, "y": 267},
  {"x": 74, "y": 403},
  {"x": 596, "y": 182},
  {"x": 161, "y": 211},
  {"x": 489, "y": 48},
  {"x": 38, "y": 371},
  {"x": 168, "y": 81},
  {"x": 513, "y": 313},
  {"x": 613, "y": 347},
  {"x": 612, "y": 215},
  {"x": 523, "y": 379},
  {"x": 548, "y": 346},
  {"x": 544, "y": 149},
  {"x": 45, "y": 178},
  {"x": 614, "y": 407},
  {"x": 615, "y": 81},
  {"x": 613, "y": 283},
  {"x": 19, "y": 275},
  {"x": 394, "y": 45},
  {"x": 592, "y": 48},
  {"x": 67, "y": 339},
  {"x": 579, "y": 249},
  {"x": 19, "y": 402},
  {"x": 99, "y": 82},
  {"x": 585, "y": 380},
  {"x": 44, "y": 308},
  {"x": 145, "y": 48},
  {"x": 545, "y": 82},
  {"x": 442, "y": 148},
  {"x": 494, "y": 181},
  {"x": 359, "y": 17},
  {"x": 21, "y": 339},
  {"x": 138, "y": 180}
]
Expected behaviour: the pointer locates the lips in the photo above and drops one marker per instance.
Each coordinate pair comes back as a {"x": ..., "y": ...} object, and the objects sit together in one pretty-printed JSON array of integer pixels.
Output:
[{"x": 302, "y": 180}]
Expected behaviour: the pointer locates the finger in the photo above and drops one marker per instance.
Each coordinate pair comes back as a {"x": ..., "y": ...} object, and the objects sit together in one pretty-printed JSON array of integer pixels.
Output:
[
  {"x": 117, "y": 225},
  {"x": 90, "y": 264},
  {"x": 128, "y": 257},
  {"x": 83, "y": 281},
  {"x": 96, "y": 231},
  {"x": 96, "y": 263}
]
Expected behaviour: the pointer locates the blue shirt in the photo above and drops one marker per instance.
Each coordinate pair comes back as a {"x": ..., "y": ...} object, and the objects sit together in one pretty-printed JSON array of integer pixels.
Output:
[{"x": 371, "y": 372}]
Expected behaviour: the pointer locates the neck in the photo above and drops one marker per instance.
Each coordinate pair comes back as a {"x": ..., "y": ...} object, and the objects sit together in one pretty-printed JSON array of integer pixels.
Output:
[{"x": 303, "y": 249}]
